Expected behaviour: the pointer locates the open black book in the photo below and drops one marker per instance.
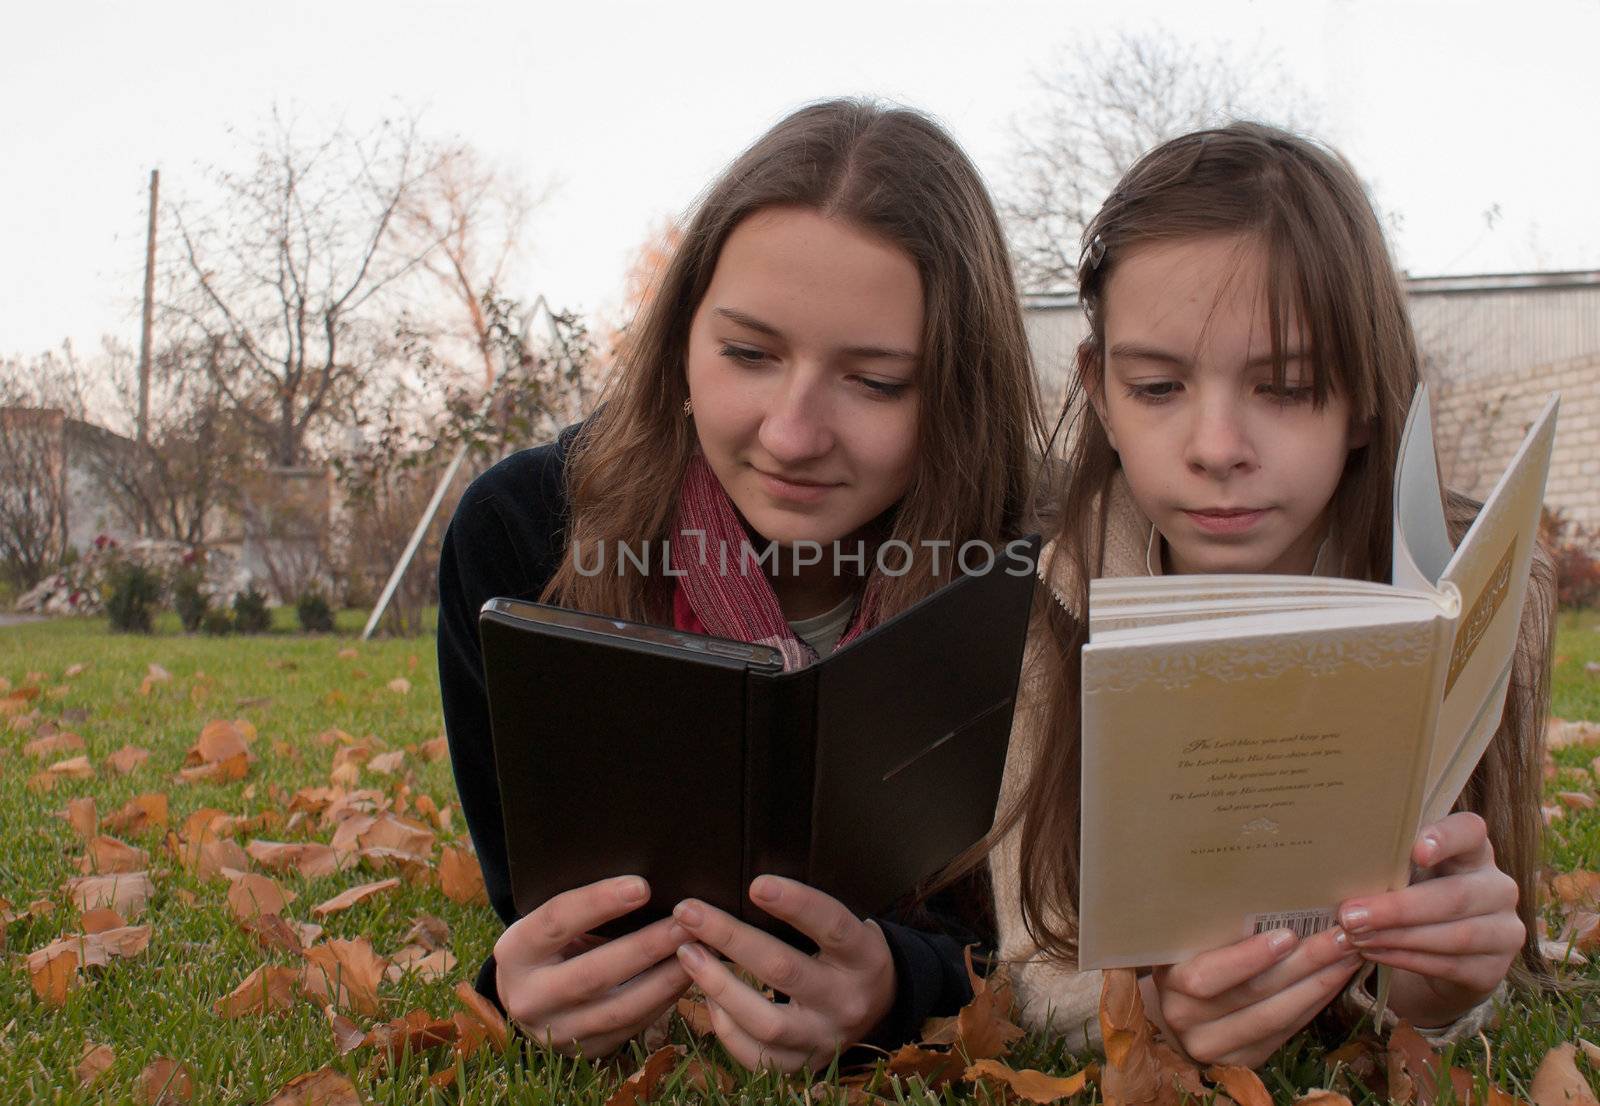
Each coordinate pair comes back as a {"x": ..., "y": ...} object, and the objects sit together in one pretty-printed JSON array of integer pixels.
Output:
[{"x": 699, "y": 764}]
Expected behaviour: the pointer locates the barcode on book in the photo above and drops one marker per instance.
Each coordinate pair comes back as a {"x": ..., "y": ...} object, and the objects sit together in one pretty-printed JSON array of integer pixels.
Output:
[{"x": 1305, "y": 923}]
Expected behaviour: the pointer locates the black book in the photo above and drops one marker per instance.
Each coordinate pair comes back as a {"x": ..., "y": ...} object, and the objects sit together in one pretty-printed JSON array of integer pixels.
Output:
[{"x": 699, "y": 764}]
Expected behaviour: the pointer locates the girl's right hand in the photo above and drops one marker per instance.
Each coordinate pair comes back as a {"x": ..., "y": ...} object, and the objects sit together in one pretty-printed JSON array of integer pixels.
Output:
[
  {"x": 577, "y": 993},
  {"x": 1237, "y": 1004}
]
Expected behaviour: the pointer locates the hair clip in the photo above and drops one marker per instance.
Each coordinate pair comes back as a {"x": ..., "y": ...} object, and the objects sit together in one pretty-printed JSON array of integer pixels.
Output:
[{"x": 1096, "y": 252}]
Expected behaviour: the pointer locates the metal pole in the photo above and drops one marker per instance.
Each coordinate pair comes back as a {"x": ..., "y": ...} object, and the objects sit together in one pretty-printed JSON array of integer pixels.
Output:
[{"x": 149, "y": 298}]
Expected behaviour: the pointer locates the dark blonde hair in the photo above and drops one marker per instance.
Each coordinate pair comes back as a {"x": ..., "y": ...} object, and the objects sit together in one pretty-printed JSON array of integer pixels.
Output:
[
  {"x": 892, "y": 173},
  {"x": 1329, "y": 271}
]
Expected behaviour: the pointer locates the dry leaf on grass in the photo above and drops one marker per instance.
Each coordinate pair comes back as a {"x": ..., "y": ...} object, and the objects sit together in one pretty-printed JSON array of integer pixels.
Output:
[
  {"x": 983, "y": 1026},
  {"x": 425, "y": 964},
  {"x": 138, "y": 814},
  {"x": 461, "y": 877},
  {"x": 208, "y": 859},
  {"x": 1562, "y": 734},
  {"x": 273, "y": 931},
  {"x": 107, "y": 854},
  {"x": 417, "y": 1031},
  {"x": 1575, "y": 800},
  {"x": 345, "y": 974},
  {"x": 53, "y": 972},
  {"x": 73, "y": 768},
  {"x": 437, "y": 749},
  {"x": 1028, "y": 1084},
  {"x": 480, "y": 1008},
  {"x": 323, "y": 1087},
  {"x": 266, "y": 990},
  {"x": 1415, "y": 1070},
  {"x": 641, "y": 1086},
  {"x": 934, "y": 1068},
  {"x": 351, "y": 896},
  {"x": 387, "y": 764},
  {"x": 126, "y": 893},
  {"x": 165, "y": 1082},
  {"x": 347, "y": 1035},
  {"x": 427, "y": 931},
  {"x": 698, "y": 1016},
  {"x": 53, "y": 745},
  {"x": 221, "y": 771},
  {"x": 94, "y": 1062},
  {"x": 127, "y": 759},
  {"x": 1242, "y": 1085},
  {"x": 1558, "y": 1082},
  {"x": 310, "y": 859},
  {"x": 101, "y": 919},
  {"x": 399, "y": 685},
  {"x": 80, "y": 815},
  {"x": 251, "y": 894},
  {"x": 1576, "y": 887},
  {"x": 1318, "y": 1097}
]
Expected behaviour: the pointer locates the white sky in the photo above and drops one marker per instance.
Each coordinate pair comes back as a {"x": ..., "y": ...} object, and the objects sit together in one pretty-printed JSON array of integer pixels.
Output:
[{"x": 1444, "y": 106}]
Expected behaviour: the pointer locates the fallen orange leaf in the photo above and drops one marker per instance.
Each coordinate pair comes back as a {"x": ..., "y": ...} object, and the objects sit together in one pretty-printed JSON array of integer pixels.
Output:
[
  {"x": 127, "y": 893},
  {"x": 1558, "y": 1081},
  {"x": 1034, "y": 1086},
  {"x": 1242, "y": 1085},
  {"x": 347, "y": 1036},
  {"x": 252, "y": 894},
  {"x": 310, "y": 859},
  {"x": 323, "y": 1087},
  {"x": 165, "y": 1082},
  {"x": 127, "y": 758},
  {"x": 418, "y": 961},
  {"x": 93, "y": 1063},
  {"x": 348, "y": 898},
  {"x": 266, "y": 990},
  {"x": 80, "y": 815},
  {"x": 344, "y": 973},
  {"x": 483, "y": 1010},
  {"x": 53, "y": 972},
  {"x": 101, "y": 919},
  {"x": 138, "y": 814},
  {"x": 56, "y": 743},
  {"x": 107, "y": 854},
  {"x": 73, "y": 768},
  {"x": 641, "y": 1085},
  {"x": 461, "y": 877}
]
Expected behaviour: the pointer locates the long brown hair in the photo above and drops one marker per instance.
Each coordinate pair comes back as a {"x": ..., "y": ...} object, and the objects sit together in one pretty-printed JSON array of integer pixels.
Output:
[
  {"x": 1330, "y": 270},
  {"x": 893, "y": 173}
]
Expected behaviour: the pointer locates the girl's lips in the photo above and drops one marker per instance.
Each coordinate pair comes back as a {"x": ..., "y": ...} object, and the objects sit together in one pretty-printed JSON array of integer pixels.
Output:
[
  {"x": 1225, "y": 522},
  {"x": 793, "y": 491}
]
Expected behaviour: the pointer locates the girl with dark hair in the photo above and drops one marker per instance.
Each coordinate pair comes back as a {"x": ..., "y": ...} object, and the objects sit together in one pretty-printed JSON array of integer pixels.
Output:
[
  {"x": 834, "y": 355},
  {"x": 1240, "y": 399}
]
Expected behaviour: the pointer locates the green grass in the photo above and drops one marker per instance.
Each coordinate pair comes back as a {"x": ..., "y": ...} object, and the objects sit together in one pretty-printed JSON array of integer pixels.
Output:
[{"x": 294, "y": 687}]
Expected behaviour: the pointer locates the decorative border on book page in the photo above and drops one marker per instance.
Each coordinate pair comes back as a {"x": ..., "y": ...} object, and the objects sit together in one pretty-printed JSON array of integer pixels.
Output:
[{"x": 1172, "y": 665}]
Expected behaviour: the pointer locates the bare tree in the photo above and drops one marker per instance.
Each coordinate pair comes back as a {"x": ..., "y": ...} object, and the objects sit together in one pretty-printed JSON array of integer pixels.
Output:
[
  {"x": 37, "y": 399},
  {"x": 1098, "y": 108},
  {"x": 466, "y": 220},
  {"x": 285, "y": 275},
  {"x": 187, "y": 472}
]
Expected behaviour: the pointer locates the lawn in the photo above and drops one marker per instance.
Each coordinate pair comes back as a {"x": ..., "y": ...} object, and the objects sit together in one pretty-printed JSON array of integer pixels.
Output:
[{"x": 312, "y": 703}]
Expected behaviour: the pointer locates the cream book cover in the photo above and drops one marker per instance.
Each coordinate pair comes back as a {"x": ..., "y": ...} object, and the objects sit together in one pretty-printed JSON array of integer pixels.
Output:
[{"x": 1257, "y": 749}]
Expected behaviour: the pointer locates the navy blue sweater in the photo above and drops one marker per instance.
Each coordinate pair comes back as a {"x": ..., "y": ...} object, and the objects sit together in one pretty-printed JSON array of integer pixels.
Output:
[{"x": 506, "y": 539}]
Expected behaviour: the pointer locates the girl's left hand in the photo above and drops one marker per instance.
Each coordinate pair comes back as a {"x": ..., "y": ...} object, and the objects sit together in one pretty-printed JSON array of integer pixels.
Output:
[
  {"x": 1452, "y": 934},
  {"x": 836, "y": 996}
]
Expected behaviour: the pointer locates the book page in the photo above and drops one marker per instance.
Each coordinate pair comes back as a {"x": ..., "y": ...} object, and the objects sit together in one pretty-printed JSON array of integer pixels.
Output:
[
  {"x": 1422, "y": 545},
  {"x": 1490, "y": 572},
  {"x": 1249, "y": 779}
]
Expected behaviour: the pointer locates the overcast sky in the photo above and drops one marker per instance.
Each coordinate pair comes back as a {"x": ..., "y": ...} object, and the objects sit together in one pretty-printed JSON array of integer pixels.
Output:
[{"x": 627, "y": 110}]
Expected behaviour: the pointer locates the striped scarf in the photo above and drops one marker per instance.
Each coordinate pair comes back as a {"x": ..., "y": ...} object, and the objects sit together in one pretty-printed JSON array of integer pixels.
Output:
[{"x": 724, "y": 592}]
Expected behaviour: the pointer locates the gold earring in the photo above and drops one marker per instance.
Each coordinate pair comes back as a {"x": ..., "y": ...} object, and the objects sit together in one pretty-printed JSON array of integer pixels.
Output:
[{"x": 688, "y": 408}]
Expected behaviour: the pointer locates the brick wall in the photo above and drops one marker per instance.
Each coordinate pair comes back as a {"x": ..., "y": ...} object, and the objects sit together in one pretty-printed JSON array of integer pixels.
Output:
[{"x": 1481, "y": 418}]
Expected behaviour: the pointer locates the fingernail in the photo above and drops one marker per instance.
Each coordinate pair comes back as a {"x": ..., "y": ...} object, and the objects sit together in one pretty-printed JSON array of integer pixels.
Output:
[
  {"x": 1281, "y": 939},
  {"x": 677, "y": 935},
  {"x": 1341, "y": 939},
  {"x": 1354, "y": 917},
  {"x": 764, "y": 890},
  {"x": 692, "y": 954},
  {"x": 633, "y": 889},
  {"x": 1430, "y": 845},
  {"x": 689, "y": 913}
]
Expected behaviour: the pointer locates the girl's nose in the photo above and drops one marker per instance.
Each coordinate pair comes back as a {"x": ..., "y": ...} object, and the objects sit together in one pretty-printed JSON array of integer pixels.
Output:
[
  {"x": 1219, "y": 441},
  {"x": 796, "y": 426}
]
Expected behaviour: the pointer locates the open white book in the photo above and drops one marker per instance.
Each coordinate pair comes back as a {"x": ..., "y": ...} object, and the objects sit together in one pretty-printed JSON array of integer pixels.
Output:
[{"x": 1257, "y": 749}]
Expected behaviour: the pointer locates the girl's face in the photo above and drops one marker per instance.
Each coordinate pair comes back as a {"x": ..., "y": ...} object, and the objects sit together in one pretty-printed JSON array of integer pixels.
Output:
[
  {"x": 1235, "y": 472},
  {"x": 802, "y": 365}
]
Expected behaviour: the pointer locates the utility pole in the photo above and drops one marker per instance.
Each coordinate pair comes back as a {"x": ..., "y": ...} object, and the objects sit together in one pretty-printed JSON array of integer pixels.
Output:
[{"x": 149, "y": 297}]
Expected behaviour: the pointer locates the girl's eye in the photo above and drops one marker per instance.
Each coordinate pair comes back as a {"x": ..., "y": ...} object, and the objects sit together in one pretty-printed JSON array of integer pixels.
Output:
[
  {"x": 742, "y": 355},
  {"x": 1288, "y": 394},
  {"x": 1153, "y": 392},
  {"x": 888, "y": 389}
]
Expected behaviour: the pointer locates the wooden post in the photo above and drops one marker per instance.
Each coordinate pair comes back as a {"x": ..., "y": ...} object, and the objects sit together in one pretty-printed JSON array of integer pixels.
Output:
[{"x": 149, "y": 297}]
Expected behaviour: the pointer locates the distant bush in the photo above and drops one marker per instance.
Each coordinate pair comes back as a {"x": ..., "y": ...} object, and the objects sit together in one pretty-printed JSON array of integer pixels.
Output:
[
  {"x": 316, "y": 616},
  {"x": 189, "y": 597},
  {"x": 216, "y": 621},
  {"x": 132, "y": 594},
  {"x": 1576, "y": 552},
  {"x": 250, "y": 614}
]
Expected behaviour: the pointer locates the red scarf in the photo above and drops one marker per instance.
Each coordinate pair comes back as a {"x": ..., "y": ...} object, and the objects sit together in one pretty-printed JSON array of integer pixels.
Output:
[{"x": 735, "y": 601}]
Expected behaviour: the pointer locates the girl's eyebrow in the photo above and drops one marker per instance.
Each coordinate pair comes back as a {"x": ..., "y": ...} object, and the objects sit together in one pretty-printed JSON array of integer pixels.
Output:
[
  {"x": 750, "y": 322},
  {"x": 1142, "y": 352}
]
